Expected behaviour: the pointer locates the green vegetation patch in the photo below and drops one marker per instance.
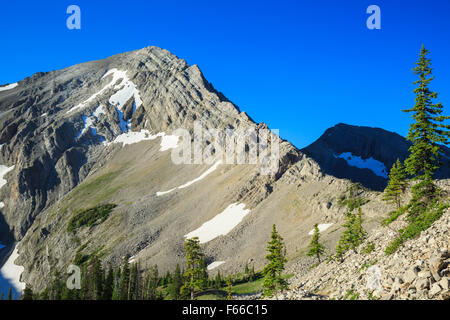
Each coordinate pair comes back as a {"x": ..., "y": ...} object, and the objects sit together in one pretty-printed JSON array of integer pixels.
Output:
[{"x": 90, "y": 217}]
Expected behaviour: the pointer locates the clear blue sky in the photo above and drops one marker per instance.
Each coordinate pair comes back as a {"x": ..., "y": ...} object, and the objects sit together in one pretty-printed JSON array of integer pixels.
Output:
[{"x": 300, "y": 66}]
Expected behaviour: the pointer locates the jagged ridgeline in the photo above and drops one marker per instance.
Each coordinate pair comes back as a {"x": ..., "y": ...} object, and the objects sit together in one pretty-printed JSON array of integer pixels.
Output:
[{"x": 87, "y": 170}]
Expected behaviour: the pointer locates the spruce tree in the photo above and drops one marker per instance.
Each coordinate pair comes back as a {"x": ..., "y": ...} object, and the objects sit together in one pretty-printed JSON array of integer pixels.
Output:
[
  {"x": 195, "y": 267},
  {"x": 272, "y": 272},
  {"x": 9, "y": 294},
  {"x": 229, "y": 294},
  {"x": 109, "y": 284},
  {"x": 427, "y": 134},
  {"x": 177, "y": 283},
  {"x": 124, "y": 280},
  {"x": 27, "y": 293},
  {"x": 353, "y": 235},
  {"x": 315, "y": 247},
  {"x": 397, "y": 184}
]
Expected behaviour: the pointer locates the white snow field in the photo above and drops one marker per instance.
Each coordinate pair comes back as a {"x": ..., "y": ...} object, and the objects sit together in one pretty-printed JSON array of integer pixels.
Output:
[
  {"x": 88, "y": 124},
  {"x": 376, "y": 166},
  {"x": 10, "y": 276},
  {"x": 187, "y": 184},
  {"x": 9, "y": 86},
  {"x": 168, "y": 142},
  {"x": 98, "y": 111},
  {"x": 125, "y": 90},
  {"x": 130, "y": 137},
  {"x": 322, "y": 227},
  {"x": 214, "y": 264},
  {"x": 221, "y": 224},
  {"x": 4, "y": 170}
]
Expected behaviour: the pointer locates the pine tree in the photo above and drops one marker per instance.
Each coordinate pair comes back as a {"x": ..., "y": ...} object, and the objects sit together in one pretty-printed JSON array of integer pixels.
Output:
[
  {"x": 97, "y": 277},
  {"x": 132, "y": 291},
  {"x": 229, "y": 294},
  {"x": 195, "y": 267},
  {"x": 353, "y": 235},
  {"x": 9, "y": 294},
  {"x": 315, "y": 247},
  {"x": 272, "y": 272},
  {"x": 218, "y": 281},
  {"x": 109, "y": 284},
  {"x": 177, "y": 283},
  {"x": 27, "y": 293},
  {"x": 397, "y": 184},
  {"x": 427, "y": 134},
  {"x": 124, "y": 279}
]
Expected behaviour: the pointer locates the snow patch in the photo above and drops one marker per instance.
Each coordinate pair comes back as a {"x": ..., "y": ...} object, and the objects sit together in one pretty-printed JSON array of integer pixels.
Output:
[
  {"x": 10, "y": 276},
  {"x": 4, "y": 170},
  {"x": 88, "y": 124},
  {"x": 9, "y": 86},
  {"x": 98, "y": 111},
  {"x": 134, "y": 137},
  {"x": 376, "y": 166},
  {"x": 2, "y": 204},
  {"x": 126, "y": 89},
  {"x": 187, "y": 184},
  {"x": 215, "y": 264},
  {"x": 322, "y": 227},
  {"x": 169, "y": 142},
  {"x": 221, "y": 224}
]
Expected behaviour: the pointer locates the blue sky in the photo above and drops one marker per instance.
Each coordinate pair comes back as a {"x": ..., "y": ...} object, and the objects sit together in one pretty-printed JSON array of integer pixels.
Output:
[{"x": 300, "y": 66}]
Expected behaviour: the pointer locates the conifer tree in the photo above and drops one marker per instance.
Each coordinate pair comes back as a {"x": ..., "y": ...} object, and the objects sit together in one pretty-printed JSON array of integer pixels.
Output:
[
  {"x": 195, "y": 267},
  {"x": 124, "y": 279},
  {"x": 132, "y": 291},
  {"x": 272, "y": 272},
  {"x": 229, "y": 294},
  {"x": 353, "y": 235},
  {"x": 9, "y": 294},
  {"x": 27, "y": 293},
  {"x": 427, "y": 134},
  {"x": 97, "y": 277},
  {"x": 315, "y": 247},
  {"x": 397, "y": 184},
  {"x": 176, "y": 284},
  {"x": 109, "y": 284},
  {"x": 218, "y": 281}
]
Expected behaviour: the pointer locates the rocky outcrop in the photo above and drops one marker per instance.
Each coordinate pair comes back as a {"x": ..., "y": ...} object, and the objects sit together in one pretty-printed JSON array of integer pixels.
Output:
[{"x": 418, "y": 270}]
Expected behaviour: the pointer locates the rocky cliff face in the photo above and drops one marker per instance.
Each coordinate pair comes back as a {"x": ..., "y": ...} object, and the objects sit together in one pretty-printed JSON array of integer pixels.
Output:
[{"x": 102, "y": 132}]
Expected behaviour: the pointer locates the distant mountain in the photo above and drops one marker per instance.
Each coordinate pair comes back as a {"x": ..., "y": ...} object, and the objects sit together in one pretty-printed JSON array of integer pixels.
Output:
[{"x": 364, "y": 154}]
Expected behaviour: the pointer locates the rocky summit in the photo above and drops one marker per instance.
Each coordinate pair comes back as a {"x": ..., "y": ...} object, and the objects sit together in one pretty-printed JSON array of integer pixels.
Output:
[{"x": 98, "y": 137}]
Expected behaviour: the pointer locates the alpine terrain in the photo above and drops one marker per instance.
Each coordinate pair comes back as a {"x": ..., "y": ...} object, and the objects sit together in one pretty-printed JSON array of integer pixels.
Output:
[{"x": 86, "y": 169}]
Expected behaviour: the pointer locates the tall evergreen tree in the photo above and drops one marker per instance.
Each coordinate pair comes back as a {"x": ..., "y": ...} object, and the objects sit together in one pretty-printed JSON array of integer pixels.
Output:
[
  {"x": 353, "y": 235},
  {"x": 272, "y": 272},
  {"x": 124, "y": 280},
  {"x": 9, "y": 294},
  {"x": 397, "y": 184},
  {"x": 195, "y": 267},
  {"x": 229, "y": 294},
  {"x": 177, "y": 283},
  {"x": 109, "y": 284},
  {"x": 97, "y": 277},
  {"x": 427, "y": 134},
  {"x": 315, "y": 247}
]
